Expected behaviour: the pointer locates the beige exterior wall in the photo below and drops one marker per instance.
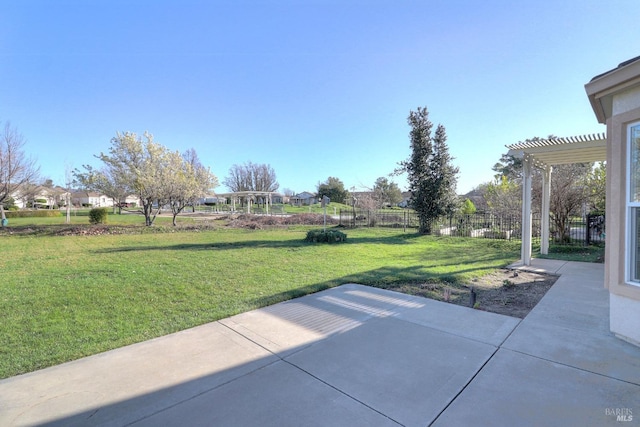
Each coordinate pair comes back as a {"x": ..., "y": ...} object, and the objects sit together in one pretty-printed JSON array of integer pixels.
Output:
[
  {"x": 615, "y": 98},
  {"x": 625, "y": 298},
  {"x": 616, "y": 204},
  {"x": 625, "y": 101}
]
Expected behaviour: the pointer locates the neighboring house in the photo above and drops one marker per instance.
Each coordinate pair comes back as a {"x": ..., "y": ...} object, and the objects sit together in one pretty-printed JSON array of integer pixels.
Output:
[
  {"x": 39, "y": 197},
  {"x": 132, "y": 200},
  {"x": 277, "y": 198},
  {"x": 93, "y": 199},
  {"x": 615, "y": 99},
  {"x": 406, "y": 198},
  {"x": 303, "y": 199}
]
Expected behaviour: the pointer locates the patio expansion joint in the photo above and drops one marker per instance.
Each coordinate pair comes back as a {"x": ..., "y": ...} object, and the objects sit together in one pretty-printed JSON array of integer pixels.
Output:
[
  {"x": 463, "y": 336},
  {"x": 284, "y": 360},
  {"x": 355, "y": 399},
  {"x": 570, "y": 366},
  {"x": 462, "y": 389},
  {"x": 231, "y": 380},
  {"x": 195, "y": 396}
]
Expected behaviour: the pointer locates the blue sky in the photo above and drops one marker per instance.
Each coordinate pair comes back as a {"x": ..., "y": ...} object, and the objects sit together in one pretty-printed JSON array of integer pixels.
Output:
[{"x": 315, "y": 88}]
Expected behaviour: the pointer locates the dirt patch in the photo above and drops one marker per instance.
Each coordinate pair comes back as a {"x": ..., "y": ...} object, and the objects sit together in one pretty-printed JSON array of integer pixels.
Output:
[
  {"x": 509, "y": 292},
  {"x": 267, "y": 221}
]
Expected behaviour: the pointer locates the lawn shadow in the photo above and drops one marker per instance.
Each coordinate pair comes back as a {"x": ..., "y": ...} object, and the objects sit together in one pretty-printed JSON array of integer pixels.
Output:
[{"x": 290, "y": 243}]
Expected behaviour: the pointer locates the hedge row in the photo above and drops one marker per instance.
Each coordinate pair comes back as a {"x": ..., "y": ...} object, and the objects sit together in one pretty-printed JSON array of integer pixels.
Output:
[{"x": 40, "y": 213}]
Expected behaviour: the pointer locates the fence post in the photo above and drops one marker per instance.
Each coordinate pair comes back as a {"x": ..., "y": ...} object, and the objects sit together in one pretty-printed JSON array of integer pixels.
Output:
[
  {"x": 586, "y": 226},
  {"x": 404, "y": 221}
]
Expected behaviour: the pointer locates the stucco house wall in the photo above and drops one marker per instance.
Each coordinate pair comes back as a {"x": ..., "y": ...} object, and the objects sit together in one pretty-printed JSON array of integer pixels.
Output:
[{"x": 615, "y": 98}]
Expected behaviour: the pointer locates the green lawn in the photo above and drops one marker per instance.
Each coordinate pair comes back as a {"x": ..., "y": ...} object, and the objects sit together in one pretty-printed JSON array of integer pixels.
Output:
[
  {"x": 574, "y": 253},
  {"x": 65, "y": 297}
]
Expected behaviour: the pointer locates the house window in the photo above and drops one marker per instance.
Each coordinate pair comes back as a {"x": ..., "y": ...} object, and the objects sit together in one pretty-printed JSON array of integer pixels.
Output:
[{"x": 633, "y": 205}]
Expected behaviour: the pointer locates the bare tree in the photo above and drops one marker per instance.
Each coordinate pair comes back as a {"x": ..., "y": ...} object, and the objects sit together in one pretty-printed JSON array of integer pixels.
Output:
[
  {"x": 568, "y": 196},
  {"x": 106, "y": 181},
  {"x": 251, "y": 177},
  {"x": 16, "y": 168},
  {"x": 386, "y": 193}
]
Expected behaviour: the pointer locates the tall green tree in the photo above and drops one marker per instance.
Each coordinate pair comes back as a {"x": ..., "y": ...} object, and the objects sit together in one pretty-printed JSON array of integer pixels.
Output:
[
  {"x": 432, "y": 176},
  {"x": 334, "y": 189}
]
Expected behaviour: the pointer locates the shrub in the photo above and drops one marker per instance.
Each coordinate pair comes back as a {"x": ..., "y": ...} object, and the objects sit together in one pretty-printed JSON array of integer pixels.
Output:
[
  {"x": 325, "y": 236},
  {"x": 10, "y": 204},
  {"x": 98, "y": 216}
]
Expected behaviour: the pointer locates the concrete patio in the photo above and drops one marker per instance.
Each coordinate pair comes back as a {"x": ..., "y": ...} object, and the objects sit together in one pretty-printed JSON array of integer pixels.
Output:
[{"x": 356, "y": 355}]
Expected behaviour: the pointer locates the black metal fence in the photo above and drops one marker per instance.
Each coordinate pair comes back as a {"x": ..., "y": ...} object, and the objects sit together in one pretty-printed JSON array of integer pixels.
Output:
[
  {"x": 579, "y": 231},
  {"x": 587, "y": 230}
]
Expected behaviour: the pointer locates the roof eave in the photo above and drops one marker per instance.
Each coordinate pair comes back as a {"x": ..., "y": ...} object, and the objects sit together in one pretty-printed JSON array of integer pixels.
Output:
[{"x": 601, "y": 89}]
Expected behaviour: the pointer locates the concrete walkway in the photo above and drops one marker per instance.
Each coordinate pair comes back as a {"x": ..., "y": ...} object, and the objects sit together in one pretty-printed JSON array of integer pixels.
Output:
[{"x": 358, "y": 356}]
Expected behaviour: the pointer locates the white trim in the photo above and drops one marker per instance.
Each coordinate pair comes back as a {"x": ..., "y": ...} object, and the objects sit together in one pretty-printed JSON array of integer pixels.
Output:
[
  {"x": 525, "y": 251},
  {"x": 631, "y": 255}
]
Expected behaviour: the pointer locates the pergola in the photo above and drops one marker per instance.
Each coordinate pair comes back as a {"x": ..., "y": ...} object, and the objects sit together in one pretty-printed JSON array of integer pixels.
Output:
[
  {"x": 544, "y": 154},
  {"x": 249, "y": 196}
]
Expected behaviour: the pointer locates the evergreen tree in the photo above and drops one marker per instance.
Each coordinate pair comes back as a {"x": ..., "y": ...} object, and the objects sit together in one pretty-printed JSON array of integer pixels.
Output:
[
  {"x": 432, "y": 177},
  {"x": 334, "y": 189}
]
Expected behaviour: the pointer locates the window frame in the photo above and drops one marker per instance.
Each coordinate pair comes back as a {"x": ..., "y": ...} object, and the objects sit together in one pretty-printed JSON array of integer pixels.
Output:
[{"x": 632, "y": 213}]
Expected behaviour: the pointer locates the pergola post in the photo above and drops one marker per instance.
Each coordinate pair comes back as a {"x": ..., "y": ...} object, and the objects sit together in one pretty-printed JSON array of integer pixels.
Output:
[
  {"x": 268, "y": 202},
  {"x": 546, "y": 196},
  {"x": 526, "y": 210}
]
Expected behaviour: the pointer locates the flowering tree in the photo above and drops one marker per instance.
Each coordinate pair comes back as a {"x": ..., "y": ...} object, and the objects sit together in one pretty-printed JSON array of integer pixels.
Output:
[{"x": 157, "y": 176}]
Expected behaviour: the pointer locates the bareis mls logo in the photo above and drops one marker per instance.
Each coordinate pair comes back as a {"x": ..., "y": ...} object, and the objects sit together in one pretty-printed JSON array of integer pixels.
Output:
[{"x": 621, "y": 414}]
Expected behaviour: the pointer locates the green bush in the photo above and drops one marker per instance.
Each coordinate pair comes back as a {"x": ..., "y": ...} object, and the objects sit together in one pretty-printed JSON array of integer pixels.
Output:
[
  {"x": 10, "y": 204},
  {"x": 41, "y": 213},
  {"x": 98, "y": 216},
  {"x": 325, "y": 236}
]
